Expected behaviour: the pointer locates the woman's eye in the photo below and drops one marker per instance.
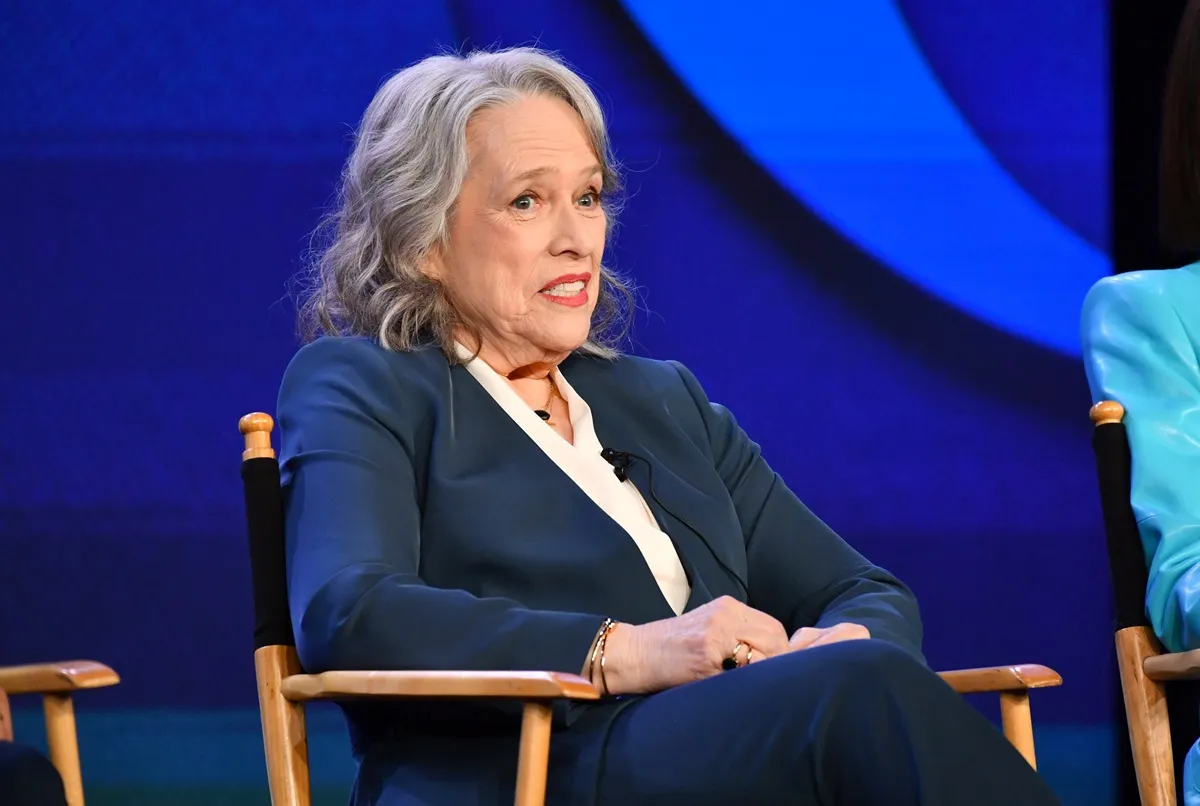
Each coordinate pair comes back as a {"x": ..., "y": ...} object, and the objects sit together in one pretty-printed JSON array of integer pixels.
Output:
[
  {"x": 590, "y": 199},
  {"x": 523, "y": 202}
]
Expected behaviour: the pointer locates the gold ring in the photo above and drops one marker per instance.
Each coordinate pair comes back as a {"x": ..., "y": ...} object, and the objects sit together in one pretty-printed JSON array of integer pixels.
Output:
[
  {"x": 732, "y": 661},
  {"x": 749, "y": 655}
]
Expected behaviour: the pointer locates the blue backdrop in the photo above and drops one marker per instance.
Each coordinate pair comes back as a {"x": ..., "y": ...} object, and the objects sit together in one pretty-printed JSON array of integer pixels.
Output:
[{"x": 867, "y": 227}]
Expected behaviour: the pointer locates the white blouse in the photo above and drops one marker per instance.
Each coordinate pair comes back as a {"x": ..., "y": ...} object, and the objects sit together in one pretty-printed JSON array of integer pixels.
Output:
[{"x": 583, "y": 463}]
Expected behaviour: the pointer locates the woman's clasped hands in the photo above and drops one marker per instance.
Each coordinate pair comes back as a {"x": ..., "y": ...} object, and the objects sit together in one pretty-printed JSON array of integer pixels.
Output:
[{"x": 725, "y": 632}]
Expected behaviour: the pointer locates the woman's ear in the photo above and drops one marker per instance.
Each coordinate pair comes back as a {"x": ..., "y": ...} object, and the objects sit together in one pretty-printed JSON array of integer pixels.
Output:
[{"x": 433, "y": 265}]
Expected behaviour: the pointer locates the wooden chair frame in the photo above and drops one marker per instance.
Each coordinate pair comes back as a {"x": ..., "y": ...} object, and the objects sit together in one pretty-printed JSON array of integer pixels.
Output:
[
  {"x": 1144, "y": 666},
  {"x": 283, "y": 687},
  {"x": 57, "y": 683}
]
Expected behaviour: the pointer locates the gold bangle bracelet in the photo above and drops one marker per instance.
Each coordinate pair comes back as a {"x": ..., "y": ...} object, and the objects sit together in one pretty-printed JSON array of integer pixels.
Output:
[
  {"x": 598, "y": 651},
  {"x": 604, "y": 646},
  {"x": 595, "y": 650}
]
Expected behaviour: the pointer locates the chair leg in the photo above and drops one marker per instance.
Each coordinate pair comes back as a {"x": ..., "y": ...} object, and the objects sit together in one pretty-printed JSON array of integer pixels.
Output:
[
  {"x": 284, "y": 728},
  {"x": 1146, "y": 713},
  {"x": 534, "y": 755},
  {"x": 63, "y": 744},
  {"x": 6, "y": 729},
  {"x": 1017, "y": 722}
]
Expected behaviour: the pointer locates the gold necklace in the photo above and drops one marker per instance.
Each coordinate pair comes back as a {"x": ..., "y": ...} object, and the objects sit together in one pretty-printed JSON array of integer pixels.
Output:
[{"x": 544, "y": 412}]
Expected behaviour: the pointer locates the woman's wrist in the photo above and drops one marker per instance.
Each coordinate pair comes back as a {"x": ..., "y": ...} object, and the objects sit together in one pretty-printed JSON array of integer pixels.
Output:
[{"x": 621, "y": 669}]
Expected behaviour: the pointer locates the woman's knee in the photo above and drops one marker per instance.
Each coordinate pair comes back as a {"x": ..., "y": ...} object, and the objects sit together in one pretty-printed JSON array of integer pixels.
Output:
[
  {"x": 27, "y": 778},
  {"x": 849, "y": 668},
  {"x": 858, "y": 669},
  {"x": 869, "y": 657}
]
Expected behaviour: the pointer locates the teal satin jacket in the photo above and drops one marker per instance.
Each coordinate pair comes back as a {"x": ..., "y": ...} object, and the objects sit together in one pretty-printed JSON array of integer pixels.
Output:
[{"x": 1140, "y": 336}]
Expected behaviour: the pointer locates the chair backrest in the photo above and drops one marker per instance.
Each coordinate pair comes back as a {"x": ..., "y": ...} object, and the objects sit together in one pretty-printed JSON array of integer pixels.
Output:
[
  {"x": 1126, "y": 558},
  {"x": 285, "y": 741},
  {"x": 264, "y": 530},
  {"x": 1159, "y": 728}
]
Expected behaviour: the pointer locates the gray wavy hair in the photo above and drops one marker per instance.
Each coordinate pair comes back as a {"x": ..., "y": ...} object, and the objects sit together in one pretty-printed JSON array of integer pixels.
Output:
[{"x": 398, "y": 190}]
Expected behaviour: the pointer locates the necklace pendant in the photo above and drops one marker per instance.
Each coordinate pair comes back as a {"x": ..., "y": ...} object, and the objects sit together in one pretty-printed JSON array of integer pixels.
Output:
[{"x": 545, "y": 415}]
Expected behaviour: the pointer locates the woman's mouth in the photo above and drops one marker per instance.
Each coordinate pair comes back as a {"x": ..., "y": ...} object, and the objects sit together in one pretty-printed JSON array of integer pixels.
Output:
[{"x": 570, "y": 291}]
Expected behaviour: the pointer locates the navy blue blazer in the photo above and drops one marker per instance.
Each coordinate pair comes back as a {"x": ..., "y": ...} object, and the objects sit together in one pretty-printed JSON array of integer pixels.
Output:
[{"x": 426, "y": 531}]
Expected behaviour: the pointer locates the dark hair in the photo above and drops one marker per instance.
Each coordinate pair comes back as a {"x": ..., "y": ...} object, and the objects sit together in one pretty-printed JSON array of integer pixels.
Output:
[{"x": 1179, "y": 162}]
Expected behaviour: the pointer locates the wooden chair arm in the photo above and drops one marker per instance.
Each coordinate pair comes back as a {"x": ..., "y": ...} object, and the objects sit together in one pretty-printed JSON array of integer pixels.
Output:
[
  {"x": 56, "y": 678},
  {"x": 554, "y": 685},
  {"x": 1173, "y": 666},
  {"x": 58, "y": 681},
  {"x": 513, "y": 685},
  {"x": 1022, "y": 677}
]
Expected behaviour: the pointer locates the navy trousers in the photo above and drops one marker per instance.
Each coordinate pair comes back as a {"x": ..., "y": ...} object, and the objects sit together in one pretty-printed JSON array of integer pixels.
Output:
[
  {"x": 856, "y": 723},
  {"x": 27, "y": 778},
  {"x": 859, "y": 723}
]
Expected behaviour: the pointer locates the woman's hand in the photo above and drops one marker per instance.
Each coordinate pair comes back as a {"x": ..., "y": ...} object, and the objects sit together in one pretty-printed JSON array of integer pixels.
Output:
[
  {"x": 809, "y": 637},
  {"x": 662, "y": 654}
]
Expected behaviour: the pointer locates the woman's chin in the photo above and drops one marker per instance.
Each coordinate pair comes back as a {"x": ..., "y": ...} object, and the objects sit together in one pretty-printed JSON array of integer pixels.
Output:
[
  {"x": 567, "y": 333},
  {"x": 564, "y": 340}
]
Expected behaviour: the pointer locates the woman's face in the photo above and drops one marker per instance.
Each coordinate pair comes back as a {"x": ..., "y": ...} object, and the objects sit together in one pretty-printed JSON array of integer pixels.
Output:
[{"x": 522, "y": 261}]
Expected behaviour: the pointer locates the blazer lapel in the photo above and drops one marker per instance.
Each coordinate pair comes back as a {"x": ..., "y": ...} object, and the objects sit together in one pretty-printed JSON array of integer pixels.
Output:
[
  {"x": 695, "y": 512},
  {"x": 690, "y": 516},
  {"x": 640, "y": 597}
]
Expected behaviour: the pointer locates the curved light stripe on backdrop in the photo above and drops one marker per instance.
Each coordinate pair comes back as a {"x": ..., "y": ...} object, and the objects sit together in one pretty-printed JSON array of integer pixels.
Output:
[{"x": 837, "y": 102}]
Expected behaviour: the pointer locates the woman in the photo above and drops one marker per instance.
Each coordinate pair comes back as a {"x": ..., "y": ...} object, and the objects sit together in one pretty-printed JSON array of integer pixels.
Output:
[
  {"x": 477, "y": 480},
  {"x": 1141, "y": 339}
]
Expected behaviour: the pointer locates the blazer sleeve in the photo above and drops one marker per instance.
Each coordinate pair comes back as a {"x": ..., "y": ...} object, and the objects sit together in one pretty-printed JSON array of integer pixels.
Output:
[
  {"x": 1137, "y": 352},
  {"x": 353, "y": 524},
  {"x": 799, "y": 570}
]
